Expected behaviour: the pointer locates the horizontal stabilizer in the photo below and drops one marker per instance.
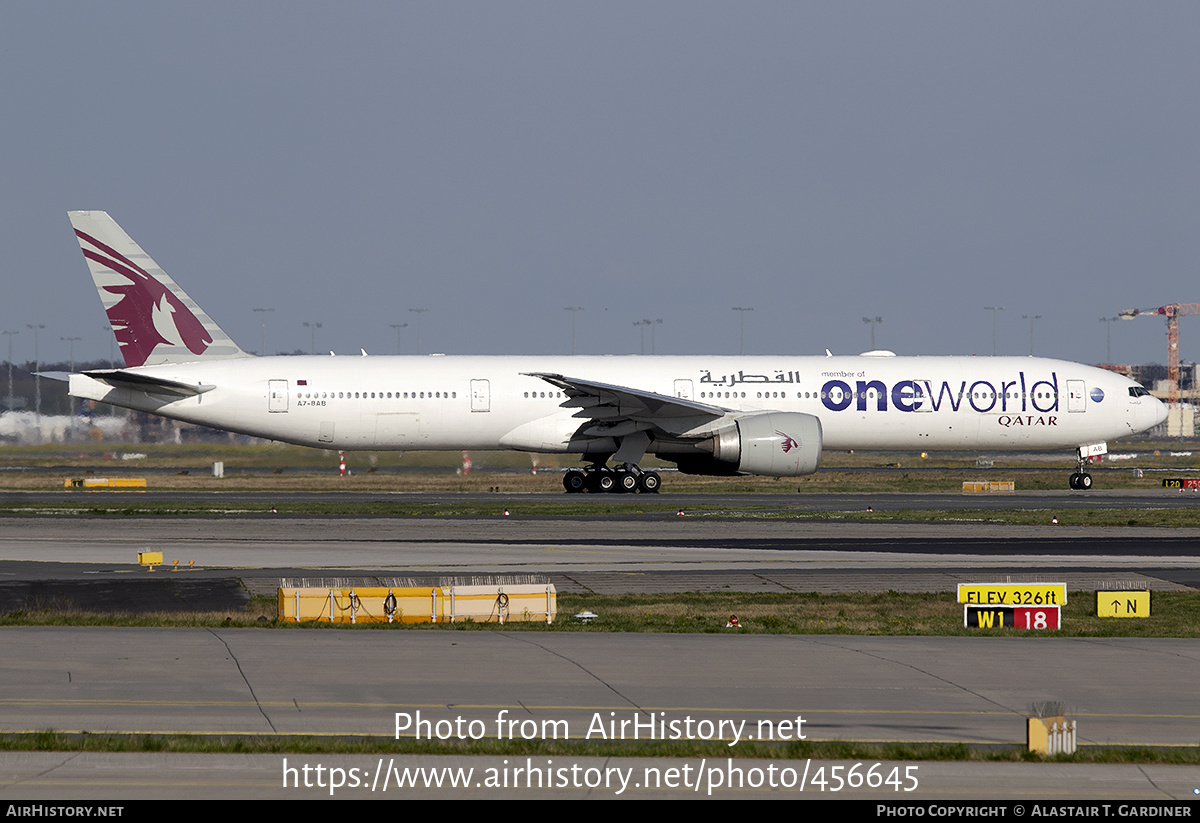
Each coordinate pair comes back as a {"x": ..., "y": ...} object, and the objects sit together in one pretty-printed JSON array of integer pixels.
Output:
[{"x": 136, "y": 381}]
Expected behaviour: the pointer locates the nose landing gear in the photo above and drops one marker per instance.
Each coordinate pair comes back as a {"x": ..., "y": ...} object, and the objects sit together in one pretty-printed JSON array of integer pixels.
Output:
[{"x": 1081, "y": 480}]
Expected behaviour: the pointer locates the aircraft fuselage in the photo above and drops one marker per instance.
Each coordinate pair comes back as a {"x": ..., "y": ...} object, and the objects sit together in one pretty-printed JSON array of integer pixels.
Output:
[{"x": 490, "y": 402}]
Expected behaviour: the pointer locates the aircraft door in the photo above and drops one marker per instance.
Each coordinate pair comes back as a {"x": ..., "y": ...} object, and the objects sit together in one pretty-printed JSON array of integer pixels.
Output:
[
  {"x": 683, "y": 389},
  {"x": 922, "y": 395},
  {"x": 481, "y": 396},
  {"x": 1076, "y": 396},
  {"x": 277, "y": 395}
]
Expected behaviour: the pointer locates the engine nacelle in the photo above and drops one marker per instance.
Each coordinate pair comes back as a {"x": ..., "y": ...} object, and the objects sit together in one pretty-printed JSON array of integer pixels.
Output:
[{"x": 775, "y": 444}]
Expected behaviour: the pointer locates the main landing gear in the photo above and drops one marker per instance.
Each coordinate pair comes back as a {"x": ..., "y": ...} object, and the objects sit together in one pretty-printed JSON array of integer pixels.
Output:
[{"x": 624, "y": 479}]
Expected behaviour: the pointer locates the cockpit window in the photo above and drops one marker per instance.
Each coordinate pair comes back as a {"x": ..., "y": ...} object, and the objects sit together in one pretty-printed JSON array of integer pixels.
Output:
[{"x": 1138, "y": 391}]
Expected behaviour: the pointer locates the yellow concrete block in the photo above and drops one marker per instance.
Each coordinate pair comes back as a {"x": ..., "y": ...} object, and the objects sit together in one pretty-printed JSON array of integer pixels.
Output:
[
  {"x": 134, "y": 483},
  {"x": 988, "y": 486},
  {"x": 531, "y": 602},
  {"x": 420, "y": 604}
]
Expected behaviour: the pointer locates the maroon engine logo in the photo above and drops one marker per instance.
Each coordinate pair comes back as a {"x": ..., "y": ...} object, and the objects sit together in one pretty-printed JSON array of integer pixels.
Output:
[
  {"x": 138, "y": 318},
  {"x": 788, "y": 443}
]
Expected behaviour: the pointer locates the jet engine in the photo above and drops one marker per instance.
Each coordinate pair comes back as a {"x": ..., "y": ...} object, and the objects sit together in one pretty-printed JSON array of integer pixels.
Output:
[{"x": 775, "y": 444}]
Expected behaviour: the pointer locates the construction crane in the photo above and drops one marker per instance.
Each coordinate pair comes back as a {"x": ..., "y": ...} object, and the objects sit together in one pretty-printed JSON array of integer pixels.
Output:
[{"x": 1172, "y": 312}]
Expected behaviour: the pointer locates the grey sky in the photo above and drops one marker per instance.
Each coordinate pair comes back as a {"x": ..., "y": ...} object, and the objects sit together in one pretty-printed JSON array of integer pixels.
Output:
[{"x": 496, "y": 162}]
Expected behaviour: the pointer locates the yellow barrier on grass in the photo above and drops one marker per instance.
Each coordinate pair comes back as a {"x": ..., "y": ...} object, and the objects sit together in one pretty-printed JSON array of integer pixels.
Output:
[
  {"x": 105, "y": 483},
  {"x": 420, "y": 604},
  {"x": 988, "y": 487},
  {"x": 1050, "y": 735}
]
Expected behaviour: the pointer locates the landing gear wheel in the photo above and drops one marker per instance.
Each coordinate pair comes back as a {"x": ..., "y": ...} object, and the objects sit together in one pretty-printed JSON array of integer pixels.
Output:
[
  {"x": 627, "y": 482},
  {"x": 649, "y": 483},
  {"x": 603, "y": 481},
  {"x": 574, "y": 482},
  {"x": 1085, "y": 481},
  {"x": 1075, "y": 480}
]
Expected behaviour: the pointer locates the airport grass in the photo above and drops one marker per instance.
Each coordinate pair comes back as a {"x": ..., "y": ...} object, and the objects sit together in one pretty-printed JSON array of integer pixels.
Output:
[
  {"x": 1170, "y": 517},
  {"x": 392, "y": 484},
  {"x": 238, "y": 454},
  {"x": 1174, "y": 614},
  {"x": 828, "y": 480},
  {"x": 858, "y": 509},
  {"x": 125, "y": 506},
  {"x": 283, "y": 744},
  {"x": 267, "y": 467}
]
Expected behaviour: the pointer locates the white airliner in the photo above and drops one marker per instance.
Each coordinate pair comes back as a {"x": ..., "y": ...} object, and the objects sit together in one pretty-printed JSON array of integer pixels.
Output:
[{"x": 709, "y": 414}]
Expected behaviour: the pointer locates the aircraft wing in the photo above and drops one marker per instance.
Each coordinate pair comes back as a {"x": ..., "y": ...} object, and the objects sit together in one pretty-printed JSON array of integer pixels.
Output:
[
  {"x": 628, "y": 408},
  {"x": 123, "y": 379}
]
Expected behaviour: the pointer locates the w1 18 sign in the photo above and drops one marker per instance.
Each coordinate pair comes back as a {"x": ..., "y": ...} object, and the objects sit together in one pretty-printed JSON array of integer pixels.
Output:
[{"x": 1032, "y": 618}]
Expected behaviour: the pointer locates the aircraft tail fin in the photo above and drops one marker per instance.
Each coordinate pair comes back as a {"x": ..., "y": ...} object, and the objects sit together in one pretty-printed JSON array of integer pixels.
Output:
[{"x": 153, "y": 319}]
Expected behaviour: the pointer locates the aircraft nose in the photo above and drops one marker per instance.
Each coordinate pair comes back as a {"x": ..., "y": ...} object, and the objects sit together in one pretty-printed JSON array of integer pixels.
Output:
[{"x": 1160, "y": 411}]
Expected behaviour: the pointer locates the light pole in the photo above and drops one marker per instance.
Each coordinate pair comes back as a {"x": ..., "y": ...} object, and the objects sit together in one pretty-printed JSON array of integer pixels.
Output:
[
  {"x": 1107, "y": 321},
  {"x": 653, "y": 348},
  {"x": 312, "y": 327},
  {"x": 574, "y": 310},
  {"x": 9, "y": 400},
  {"x": 37, "y": 367},
  {"x": 398, "y": 327},
  {"x": 71, "y": 341},
  {"x": 741, "y": 310},
  {"x": 263, "y": 314},
  {"x": 112, "y": 361},
  {"x": 872, "y": 321},
  {"x": 993, "y": 310},
  {"x": 642, "y": 324},
  {"x": 1031, "y": 318},
  {"x": 419, "y": 313}
]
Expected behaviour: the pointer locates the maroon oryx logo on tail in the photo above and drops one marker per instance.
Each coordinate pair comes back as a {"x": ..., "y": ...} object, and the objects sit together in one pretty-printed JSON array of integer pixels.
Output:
[
  {"x": 140, "y": 318},
  {"x": 788, "y": 443}
]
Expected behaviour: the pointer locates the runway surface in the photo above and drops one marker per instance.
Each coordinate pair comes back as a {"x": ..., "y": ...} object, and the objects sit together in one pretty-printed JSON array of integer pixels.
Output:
[
  {"x": 295, "y": 681},
  {"x": 545, "y": 686},
  {"x": 87, "y": 560},
  {"x": 309, "y": 681},
  {"x": 942, "y": 788}
]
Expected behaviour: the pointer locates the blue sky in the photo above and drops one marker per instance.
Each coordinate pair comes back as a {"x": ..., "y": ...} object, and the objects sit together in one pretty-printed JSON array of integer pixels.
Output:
[{"x": 498, "y": 162}]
